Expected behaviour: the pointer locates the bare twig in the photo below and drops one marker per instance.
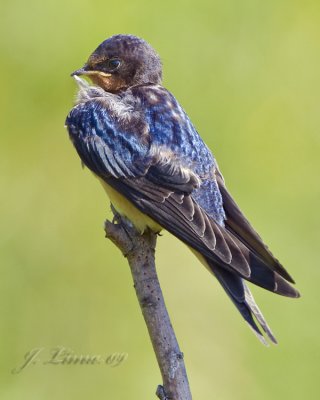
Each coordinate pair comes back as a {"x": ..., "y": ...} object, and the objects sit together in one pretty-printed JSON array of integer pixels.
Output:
[{"x": 139, "y": 250}]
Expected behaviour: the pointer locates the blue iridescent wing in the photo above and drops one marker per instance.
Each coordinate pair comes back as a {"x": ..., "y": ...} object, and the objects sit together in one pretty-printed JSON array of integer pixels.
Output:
[
  {"x": 103, "y": 145},
  {"x": 147, "y": 166},
  {"x": 162, "y": 188}
]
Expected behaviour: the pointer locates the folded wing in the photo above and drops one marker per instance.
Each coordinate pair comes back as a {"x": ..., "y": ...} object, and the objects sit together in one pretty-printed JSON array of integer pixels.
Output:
[{"x": 162, "y": 187}]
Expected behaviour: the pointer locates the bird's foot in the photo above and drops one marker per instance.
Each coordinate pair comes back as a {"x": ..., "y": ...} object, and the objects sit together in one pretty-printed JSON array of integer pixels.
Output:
[
  {"x": 161, "y": 394},
  {"x": 116, "y": 220}
]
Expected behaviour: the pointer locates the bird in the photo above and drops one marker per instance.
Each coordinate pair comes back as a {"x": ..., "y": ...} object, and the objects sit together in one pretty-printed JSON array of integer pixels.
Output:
[{"x": 136, "y": 138}]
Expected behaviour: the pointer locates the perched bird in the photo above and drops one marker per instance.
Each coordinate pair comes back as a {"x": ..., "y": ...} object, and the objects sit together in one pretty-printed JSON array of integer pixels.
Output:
[{"x": 135, "y": 137}]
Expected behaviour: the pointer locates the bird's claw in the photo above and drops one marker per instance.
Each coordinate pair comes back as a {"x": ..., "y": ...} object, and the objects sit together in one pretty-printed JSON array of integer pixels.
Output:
[
  {"x": 116, "y": 220},
  {"x": 161, "y": 394}
]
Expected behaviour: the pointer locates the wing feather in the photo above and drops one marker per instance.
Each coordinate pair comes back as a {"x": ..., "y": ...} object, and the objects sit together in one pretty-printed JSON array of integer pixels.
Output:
[
  {"x": 159, "y": 185},
  {"x": 229, "y": 252},
  {"x": 238, "y": 224}
]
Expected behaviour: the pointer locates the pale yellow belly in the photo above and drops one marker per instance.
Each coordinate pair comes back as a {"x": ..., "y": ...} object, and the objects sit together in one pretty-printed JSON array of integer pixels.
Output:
[{"x": 128, "y": 210}]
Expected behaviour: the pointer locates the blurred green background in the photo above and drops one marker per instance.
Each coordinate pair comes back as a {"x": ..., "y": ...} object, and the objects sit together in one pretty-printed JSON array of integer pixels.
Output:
[{"x": 247, "y": 73}]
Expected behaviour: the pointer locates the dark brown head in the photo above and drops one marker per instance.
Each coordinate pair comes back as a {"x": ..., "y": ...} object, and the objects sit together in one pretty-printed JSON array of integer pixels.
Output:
[{"x": 122, "y": 61}]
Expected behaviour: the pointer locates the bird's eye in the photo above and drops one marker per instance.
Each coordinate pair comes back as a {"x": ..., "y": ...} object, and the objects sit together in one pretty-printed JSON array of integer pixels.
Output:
[{"x": 113, "y": 64}]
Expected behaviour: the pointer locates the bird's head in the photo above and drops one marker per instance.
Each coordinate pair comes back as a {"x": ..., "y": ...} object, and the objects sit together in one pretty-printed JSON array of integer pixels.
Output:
[{"x": 122, "y": 61}]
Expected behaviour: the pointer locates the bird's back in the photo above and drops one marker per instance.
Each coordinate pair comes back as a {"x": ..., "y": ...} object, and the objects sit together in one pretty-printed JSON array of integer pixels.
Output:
[{"x": 171, "y": 128}]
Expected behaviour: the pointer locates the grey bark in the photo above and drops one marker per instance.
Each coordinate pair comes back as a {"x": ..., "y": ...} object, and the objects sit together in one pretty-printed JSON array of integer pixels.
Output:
[{"x": 140, "y": 253}]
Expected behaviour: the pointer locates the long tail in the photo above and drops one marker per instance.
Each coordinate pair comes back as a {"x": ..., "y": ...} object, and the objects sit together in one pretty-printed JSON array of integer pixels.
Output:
[{"x": 241, "y": 296}]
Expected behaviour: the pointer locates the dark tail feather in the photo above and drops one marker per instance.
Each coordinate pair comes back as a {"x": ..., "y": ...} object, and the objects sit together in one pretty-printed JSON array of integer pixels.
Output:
[
  {"x": 244, "y": 301},
  {"x": 263, "y": 276}
]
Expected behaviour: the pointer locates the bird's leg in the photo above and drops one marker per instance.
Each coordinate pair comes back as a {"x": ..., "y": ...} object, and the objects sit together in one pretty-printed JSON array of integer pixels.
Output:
[
  {"x": 116, "y": 216},
  {"x": 120, "y": 229},
  {"x": 118, "y": 220}
]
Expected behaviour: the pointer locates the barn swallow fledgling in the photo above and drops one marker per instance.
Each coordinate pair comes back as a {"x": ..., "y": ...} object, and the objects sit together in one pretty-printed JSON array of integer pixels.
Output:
[{"x": 135, "y": 137}]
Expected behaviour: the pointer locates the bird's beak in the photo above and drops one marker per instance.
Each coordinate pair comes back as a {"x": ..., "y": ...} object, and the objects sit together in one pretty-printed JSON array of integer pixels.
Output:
[
  {"x": 86, "y": 71},
  {"x": 79, "y": 72}
]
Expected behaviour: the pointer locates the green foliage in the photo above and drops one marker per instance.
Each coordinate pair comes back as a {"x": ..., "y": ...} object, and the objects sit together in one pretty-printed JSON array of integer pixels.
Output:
[{"x": 248, "y": 75}]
